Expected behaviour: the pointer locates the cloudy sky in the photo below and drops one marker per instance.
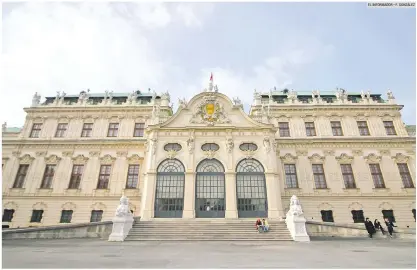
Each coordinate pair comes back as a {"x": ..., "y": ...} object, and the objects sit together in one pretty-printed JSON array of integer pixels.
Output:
[{"x": 127, "y": 46}]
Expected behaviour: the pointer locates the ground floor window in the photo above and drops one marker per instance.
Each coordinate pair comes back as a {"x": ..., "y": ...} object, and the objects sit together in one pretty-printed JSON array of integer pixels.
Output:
[
  {"x": 96, "y": 215},
  {"x": 414, "y": 214},
  {"x": 357, "y": 216},
  {"x": 327, "y": 215},
  {"x": 66, "y": 216},
  {"x": 36, "y": 216},
  {"x": 8, "y": 215},
  {"x": 388, "y": 214}
]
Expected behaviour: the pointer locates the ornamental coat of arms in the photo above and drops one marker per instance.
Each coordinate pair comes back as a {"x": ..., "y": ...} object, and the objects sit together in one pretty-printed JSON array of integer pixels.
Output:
[{"x": 210, "y": 112}]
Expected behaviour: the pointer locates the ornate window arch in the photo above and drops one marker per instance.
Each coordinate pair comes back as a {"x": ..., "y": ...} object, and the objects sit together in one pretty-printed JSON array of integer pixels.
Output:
[
  {"x": 210, "y": 189},
  {"x": 169, "y": 193},
  {"x": 251, "y": 189}
]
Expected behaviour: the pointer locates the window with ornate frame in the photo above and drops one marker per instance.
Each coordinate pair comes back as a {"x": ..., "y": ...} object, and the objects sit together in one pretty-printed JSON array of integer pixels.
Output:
[
  {"x": 172, "y": 147},
  {"x": 388, "y": 214},
  {"x": 310, "y": 129},
  {"x": 336, "y": 128},
  {"x": 358, "y": 216},
  {"x": 139, "y": 130},
  {"x": 210, "y": 147},
  {"x": 8, "y": 215},
  {"x": 61, "y": 130},
  {"x": 113, "y": 130},
  {"x": 377, "y": 175},
  {"x": 132, "y": 176},
  {"x": 327, "y": 215},
  {"x": 348, "y": 177},
  {"x": 21, "y": 175},
  {"x": 96, "y": 215},
  {"x": 48, "y": 176},
  {"x": 87, "y": 130},
  {"x": 36, "y": 216},
  {"x": 363, "y": 128},
  {"x": 389, "y": 128},
  {"x": 319, "y": 177},
  {"x": 104, "y": 177},
  {"x": 36, "y": 130},
  {"x": 248, "y": 147},
  {"x": 405, "y": 175},
  {"x": 76, "y": 175},
  {"x": 290, "y": 176},
  {"x": 66, "y": 216},
  {"x": 284, "y": 129}
]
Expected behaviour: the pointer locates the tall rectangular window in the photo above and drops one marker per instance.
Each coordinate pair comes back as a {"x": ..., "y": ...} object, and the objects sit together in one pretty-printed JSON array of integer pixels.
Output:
[
  {"x": 36, "y": 130},
  {"x": 389, "y": 128},
  {"x": 132, "y": 176},
  {"x": 139, "y": 130},
  {"x": 113, "y": 130},
  {"x": 61, "y": 130},
  {"x": 405, "y": 175},
  {"x": 388, "y": 214},
  {"x": 348, "y": 177},
  {"x": 48, "y": 176},
  {"x": 104, "y": 177},
  {"x": 327, "y": 215},
  {"x": 319, "y": 178},
  {"x": 284, "y": 129},
  {"x": 363, "y": 128},
  {"x": 20, "y": 176},
  {"x": 290, "y": 176},
  {"x": 310, "y": 129},
  {"x": 36, "y": 216},
  {"x": 96, "y": 215},
  {"x": 414, "y": 214},
  {"x": 87, "y": 130},
  {"x": 357, "y": 216},
  {"x": 377, "y": 175},
  {"x": 336, "y": 128},
  {"x": 8, "y": 215},
  {"x": 66, "y": 216},
  {"x": 76, "y": 174}
]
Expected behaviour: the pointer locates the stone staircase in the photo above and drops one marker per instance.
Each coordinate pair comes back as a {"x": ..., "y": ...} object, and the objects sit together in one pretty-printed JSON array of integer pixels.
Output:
[{"x": 206, "y": 230}]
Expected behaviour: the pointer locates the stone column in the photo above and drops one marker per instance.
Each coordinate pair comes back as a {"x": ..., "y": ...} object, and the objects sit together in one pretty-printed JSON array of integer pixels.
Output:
[
  {"x": 275, "y": 209},
  {"x": 189, "y": 195},
  {"x": 231, "y": 204},
  {"x": 147, "y": 203}
]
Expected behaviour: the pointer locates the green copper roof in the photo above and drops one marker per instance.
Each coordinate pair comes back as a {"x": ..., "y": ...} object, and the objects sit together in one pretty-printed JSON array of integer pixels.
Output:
[{"x": 13, "y": 129}]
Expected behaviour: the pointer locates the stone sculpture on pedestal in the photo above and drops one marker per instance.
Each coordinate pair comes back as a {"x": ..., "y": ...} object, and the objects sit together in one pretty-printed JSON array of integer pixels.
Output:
[
  {"x": 122, "y": 221},
  {"x": 296, "y": 223}
]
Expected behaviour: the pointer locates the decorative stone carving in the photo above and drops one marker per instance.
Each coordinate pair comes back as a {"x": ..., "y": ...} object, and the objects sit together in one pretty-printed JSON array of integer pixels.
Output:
[
  {"x": 122, "y": 221},
  {"x": 341, "y": 95},
  {"x": 40, "y": 153},
  {"x": 154, "y": 145},
  {"x": 316, "y": 97},
  {"x": 121, "y": 153},
  {"x": 301, "y": 152},
  {"x": 210, "y": 112},
  {"x": 357, "y": 152},
  {"x": 372, "y": 158},
  {"x": 80, "y": 159},
  {"x": 26, "y": 159},
  {"x": 210, "y": 154},
  {"x": 16, "y": 153},
  {"x": 67, "y": 153},
  {"x": 292, "y": 97},
  {"x": 400, "y": 158},
  {"x": 94, "y": 154},
  {"x": 275, "y": 146},
  {"x": 107, "y": 159},
  {"x": 36, "y": 100},
  {"x": 190, "y": 143},
  {"x": 171, "y": 154},
  {"x": 11, "y": 205},
  {"x": 53, "y": 159},
  {"x": 183, "y": 102},
  {"x": 39, "y": 206},
  {"x": 329, "y": 152},
  {"x": 390, "y": 95},
  {"x": 267, "y": 144},
  {"x": 131, "y": 98},
  {"x": 68, "y": 206},
  {"x": 237, "y": 102},
  {"x": 134, "y": 159},
  {"x": 316, "y": 158},
  {"x": 355, "y": 206},
  {"x": 345, "y": 159},
  {"x": 288, "y": 158},
  {"x": 229, "y": 145},
  {"x": 83, "y": 97},
  {"x": 296, "y": 222},
  {"x": 98, "y": 206},
  {"x": 384, "y": 152}
]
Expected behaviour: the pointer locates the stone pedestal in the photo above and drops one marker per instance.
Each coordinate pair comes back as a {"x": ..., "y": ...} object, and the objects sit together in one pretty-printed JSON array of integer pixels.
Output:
[
  {"x": 296, "y": 223},
  {"x": 121, "y": 227}
]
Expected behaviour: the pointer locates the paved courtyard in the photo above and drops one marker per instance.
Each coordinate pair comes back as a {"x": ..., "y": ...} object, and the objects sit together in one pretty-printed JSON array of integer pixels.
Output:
[{"x": 320, "y": 253}]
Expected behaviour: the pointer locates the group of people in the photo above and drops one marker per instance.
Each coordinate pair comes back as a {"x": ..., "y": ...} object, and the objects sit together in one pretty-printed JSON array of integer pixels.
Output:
[
  {"x": 261, "y": 225},
  {"x": 373, "y": 227}
]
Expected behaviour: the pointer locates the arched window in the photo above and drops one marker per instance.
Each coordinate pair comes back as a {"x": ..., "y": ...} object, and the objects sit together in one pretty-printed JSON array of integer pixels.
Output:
[
  {"x": 251, "y": 189},
  {"x": 248, "y": 147},
  {"x": 169, "y": 197},
  {"x": 172, "y": 147},
  {"x": 210, "y": 147},
  {"x": 210, "y": 189}
]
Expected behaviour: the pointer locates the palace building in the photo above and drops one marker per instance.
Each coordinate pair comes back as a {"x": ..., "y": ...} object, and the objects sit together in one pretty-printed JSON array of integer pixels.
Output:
[{"x": 346, "y": 156}]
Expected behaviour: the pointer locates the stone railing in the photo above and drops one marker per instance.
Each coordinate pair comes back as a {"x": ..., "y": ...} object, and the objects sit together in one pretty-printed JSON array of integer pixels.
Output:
[{"x": 100, "y": 230}]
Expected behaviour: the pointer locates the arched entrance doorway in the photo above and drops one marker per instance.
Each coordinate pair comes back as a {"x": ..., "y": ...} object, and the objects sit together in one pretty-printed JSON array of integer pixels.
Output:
[
  {"x": 251, "y": 189},
  {"x": 169, "y": 197},
  {"x": 210, "y": 190}
]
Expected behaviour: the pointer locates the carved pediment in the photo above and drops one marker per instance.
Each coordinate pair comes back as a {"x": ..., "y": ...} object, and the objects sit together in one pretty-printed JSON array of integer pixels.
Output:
[
  {"x": 372, "y": 158},
  {"x": 107, "y": 159},
  {"x": 316, "y": 158},
  {"x": 39, "y": 206},
  {"x": 10, "y": 205},
  {"x": 26, "y": 159},
  {"x": 52, "y": 159},
  {"x": 288, "y": 158},
  {"x": 68, "y": 206},
  {"x": 80, "y": 159},
  {"x": 210, "y": 111},
  {"x": 400, "y": 158},
  {"x": 98, "y": 206},
  {"x": 134, "y": 159},
  {"x": 345, "y": 158}
]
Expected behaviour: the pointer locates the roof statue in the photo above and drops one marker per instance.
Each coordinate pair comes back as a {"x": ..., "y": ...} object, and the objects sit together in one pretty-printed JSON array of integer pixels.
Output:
[{"x": 36, "y": 100}]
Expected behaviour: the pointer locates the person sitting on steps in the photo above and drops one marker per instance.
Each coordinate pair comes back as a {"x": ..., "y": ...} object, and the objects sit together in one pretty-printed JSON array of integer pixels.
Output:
[
  {"x": 265, "y": 225},
  {"x": 258, "y": 225}
]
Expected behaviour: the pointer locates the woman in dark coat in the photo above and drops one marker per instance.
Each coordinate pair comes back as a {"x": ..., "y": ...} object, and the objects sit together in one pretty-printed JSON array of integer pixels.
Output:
[
  {"x": 390, "y": 226},
  {"x": 369, "y": 227},
  {"x": 378, "y": 226}
]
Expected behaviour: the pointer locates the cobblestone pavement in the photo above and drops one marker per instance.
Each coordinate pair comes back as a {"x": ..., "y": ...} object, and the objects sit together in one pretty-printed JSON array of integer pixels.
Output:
[{"x": 320, "y": 253}]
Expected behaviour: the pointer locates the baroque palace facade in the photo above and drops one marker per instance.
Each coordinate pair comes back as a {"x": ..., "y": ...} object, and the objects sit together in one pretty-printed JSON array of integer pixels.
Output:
[{"x": 345, "y": 155}]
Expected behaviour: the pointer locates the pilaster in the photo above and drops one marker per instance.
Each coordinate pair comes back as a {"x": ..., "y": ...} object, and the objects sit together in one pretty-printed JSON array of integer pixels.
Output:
[
  {"x": 231, "y": 203},
  {"x": 189, "y": 195},
  {"x": 275, "y": 209},
  {"x": 147, "y": 203}
]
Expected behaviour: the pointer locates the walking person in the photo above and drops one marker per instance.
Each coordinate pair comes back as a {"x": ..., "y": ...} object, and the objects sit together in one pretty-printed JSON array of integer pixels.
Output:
[
  {"x": 369, "y": 227},
  {"x": 378, "y": 226},
  {"x": 390, "y": 226}
]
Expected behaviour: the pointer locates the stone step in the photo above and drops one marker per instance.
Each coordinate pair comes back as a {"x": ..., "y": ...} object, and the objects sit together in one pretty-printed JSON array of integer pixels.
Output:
[{"x": 215, "y": 240}]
